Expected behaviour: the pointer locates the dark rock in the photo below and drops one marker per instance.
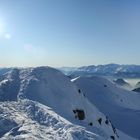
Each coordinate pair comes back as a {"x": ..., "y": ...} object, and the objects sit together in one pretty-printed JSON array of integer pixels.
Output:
[
  {"x": 90, "y": 123},
  {"x": 112, "y": 137},
  {"x": 74, "y": 111},
  {"x": 136, "y": 90},
  {"x": 107, "y": 122},
  {"x": 80, "y": 114},
  {"x": 79, "y": 91},
  {"x": 100, "y": 121}
]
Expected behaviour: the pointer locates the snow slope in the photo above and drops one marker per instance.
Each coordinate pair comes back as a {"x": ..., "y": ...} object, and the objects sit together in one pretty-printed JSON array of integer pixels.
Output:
[
  {"x": 26, "y": 96},
  {"x": 121, "y": 106},
  {"x": 31, "y": 120},
  {"x": 4, "y": 70}
]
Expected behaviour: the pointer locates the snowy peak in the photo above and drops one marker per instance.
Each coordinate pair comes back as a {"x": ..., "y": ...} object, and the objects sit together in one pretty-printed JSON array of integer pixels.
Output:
[
  {"x": 51, "y": 88},
  {"x": 122, "y": 83}
]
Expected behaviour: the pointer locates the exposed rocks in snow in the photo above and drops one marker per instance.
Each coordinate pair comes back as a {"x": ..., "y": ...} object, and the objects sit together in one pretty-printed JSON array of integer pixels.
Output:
[
  {"x": 90, "y": 123},
  {"x": 79, "y": 90},
  {"x": 100, "y": 121},
  {"x": 112, "y": 137},
  {"x": 80, "y": 114},
  {"x": 136, "y": 90},
  {"x": 107, "y": 121}
]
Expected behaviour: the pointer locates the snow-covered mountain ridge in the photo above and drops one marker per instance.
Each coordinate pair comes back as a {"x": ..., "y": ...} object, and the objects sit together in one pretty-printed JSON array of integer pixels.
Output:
[
  {"x": 130, "y": 71},
  {"x": 42, "y": 103},
  {"x": 49, "y": 87}
]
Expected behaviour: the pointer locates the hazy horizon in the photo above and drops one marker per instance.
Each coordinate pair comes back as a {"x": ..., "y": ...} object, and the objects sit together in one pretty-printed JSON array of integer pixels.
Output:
[
  {"x": 69, "y": 33},
  {"x": 65, "y": 66}
]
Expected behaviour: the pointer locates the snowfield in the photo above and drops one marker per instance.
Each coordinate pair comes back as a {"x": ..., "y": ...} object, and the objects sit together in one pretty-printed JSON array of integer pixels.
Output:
[
  {"x": 121, "y": 106},
  {"x": 42, "y": 103}
]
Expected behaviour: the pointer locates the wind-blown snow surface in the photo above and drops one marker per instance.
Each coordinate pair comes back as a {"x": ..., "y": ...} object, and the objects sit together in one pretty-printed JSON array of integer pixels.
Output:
[
  {"x": 31, "y": 120},
  {"x": 42, "y": 103},
  {"x": 121, "y": 106}
]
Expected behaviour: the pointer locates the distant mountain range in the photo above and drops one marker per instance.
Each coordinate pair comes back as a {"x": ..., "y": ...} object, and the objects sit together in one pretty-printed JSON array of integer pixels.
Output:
[{"x": 128, "y": 71}]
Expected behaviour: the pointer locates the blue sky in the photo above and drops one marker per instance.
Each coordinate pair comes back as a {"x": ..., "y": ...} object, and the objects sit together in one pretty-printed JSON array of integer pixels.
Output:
[{"x": 69, "y": 32}]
